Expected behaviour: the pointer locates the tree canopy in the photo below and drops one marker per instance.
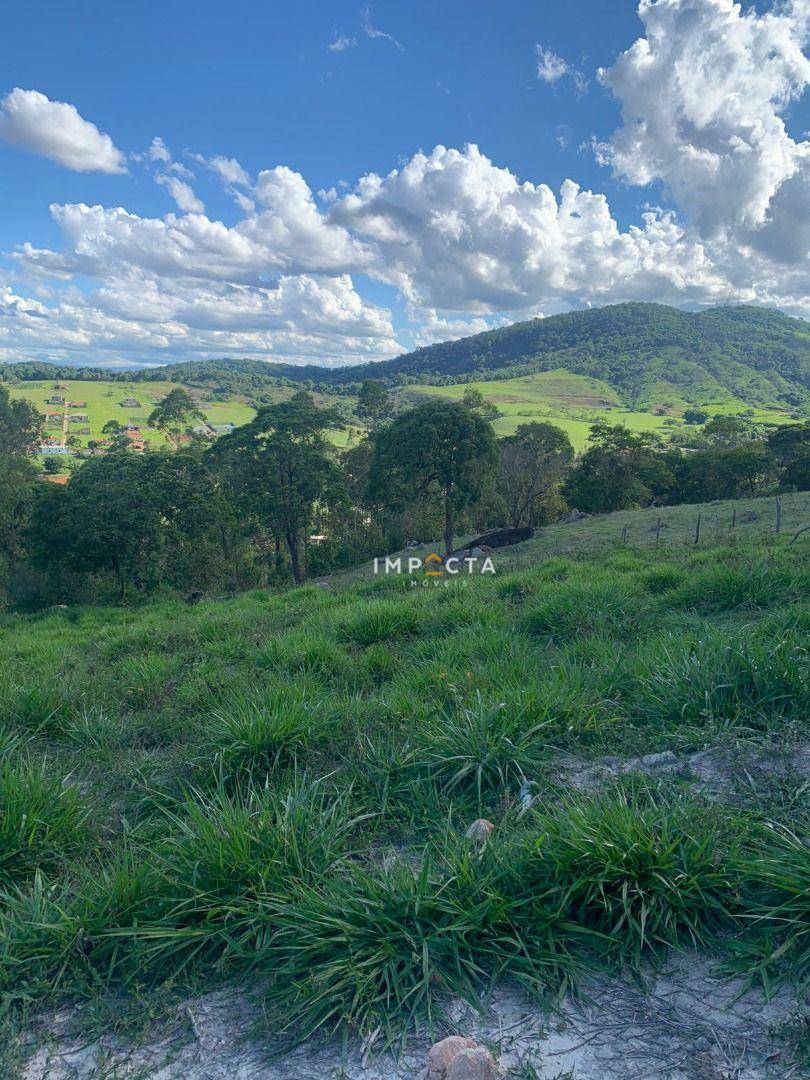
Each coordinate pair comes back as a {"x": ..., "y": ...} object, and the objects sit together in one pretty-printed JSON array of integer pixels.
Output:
[{"x": 439, "y": 449}]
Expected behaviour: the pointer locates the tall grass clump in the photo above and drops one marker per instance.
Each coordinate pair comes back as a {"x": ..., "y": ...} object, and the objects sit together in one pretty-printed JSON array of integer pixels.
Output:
[
  {"x": 376, "y": 621},
  {"x": 310, "y": 653},
  {"x": 775, "y": 874},
  {"x": 384, "y": 950},
  {"x": 255, "y": 731},
  {"x": 643, "y": 871},
  {"x": 479, "y": 748},
  {"x": 737, "y": 677},
  {"x": 581, "y": 607},
  {"x": 729, "y": 588},
  {"x": 41, "y": 819}
]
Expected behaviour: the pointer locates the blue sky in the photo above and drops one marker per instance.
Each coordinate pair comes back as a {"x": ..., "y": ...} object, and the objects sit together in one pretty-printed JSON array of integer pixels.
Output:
[{"x": 307, "y": 265}]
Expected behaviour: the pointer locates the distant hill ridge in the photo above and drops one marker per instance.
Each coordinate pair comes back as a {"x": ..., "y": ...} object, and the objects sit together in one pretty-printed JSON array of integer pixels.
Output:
[{"x": 644, "y": 351}]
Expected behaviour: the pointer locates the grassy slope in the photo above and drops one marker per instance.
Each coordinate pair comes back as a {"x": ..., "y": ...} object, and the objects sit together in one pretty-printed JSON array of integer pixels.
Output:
[
  {"x": 574, "y": 402},
  {"x": 212, "y": 790},
  {"x": 103, "y": 404}
]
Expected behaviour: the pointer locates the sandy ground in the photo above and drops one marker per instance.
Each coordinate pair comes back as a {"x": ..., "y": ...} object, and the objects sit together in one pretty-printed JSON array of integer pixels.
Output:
[{"x": 686, "y": 1024}]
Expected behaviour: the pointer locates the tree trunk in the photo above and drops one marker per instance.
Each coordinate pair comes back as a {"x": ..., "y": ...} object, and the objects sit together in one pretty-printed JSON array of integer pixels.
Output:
[
  {"x": 448, "y": 525},
  {"x": 292, "y": 546}
]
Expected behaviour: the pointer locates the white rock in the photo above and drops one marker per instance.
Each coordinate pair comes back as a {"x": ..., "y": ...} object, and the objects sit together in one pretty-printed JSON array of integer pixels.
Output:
[
  {"x": 473, "y": 1064},
  {"x": 441, "y": 1055},
  {"x": 479, "y": 830}
]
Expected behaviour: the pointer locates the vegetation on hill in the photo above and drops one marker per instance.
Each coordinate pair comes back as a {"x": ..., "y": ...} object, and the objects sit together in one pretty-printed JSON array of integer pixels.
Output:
[
  {"x": 645, "y": 352},
  {"x": 274, "y": 498},
  {"x": 277, "y": 787}
]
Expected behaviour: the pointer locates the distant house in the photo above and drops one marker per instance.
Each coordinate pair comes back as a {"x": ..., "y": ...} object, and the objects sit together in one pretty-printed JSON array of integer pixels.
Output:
[
  {"x": 55, "y": 399},
  {"x": 222, "y": 429},
  {"x": 82, "y": 431},
  {"x": 79, "y": 418},
  {"x": 53, "y": 418},
  {"x": 77, "y": 404},
  {"x": 132, "y": 430},
  {"x": 60, "y": 386},
  {"x": 54, "y": 450},
  {"x": 130, "y": 403}
]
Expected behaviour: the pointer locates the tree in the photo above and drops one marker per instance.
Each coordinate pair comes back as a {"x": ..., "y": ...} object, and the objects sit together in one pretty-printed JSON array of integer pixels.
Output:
[
  {"x": 142, "y": 518},
  {"x": 18, "y": 488},
  {"x": 695, "y": 416},
  {"x": 112, "y": 427},
  {"x": 475, "y": 401},
  {"x": 620, "y": 470},
  {"x": 732, "y": 472},
  {"x": 373, "y": 403},
  {"x": 437, "y": 450},
  {"x": 790, "y": 445},
  {"x": 173, "y": 414},
  {"x": 534, "y": 461},
  {"x": 281, "y": 468},
  {"x": 51, "y": 465},
  {"x": 20, "y": 425},
  {"x": 728, "y": 430}
]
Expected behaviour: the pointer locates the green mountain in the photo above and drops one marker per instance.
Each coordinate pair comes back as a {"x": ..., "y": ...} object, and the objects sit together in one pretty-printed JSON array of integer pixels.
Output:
[{"x": 646, "y": 352}]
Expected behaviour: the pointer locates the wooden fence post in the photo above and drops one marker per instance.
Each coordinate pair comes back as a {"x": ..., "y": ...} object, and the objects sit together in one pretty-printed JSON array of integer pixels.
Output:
[
  {"x": 778, "y": 514},
  {"x": 734, "y": 517},
  {"x": 697, "y": 530},
  {"x": 657, "y": 530},
  {"x": 624, "y": 534}
]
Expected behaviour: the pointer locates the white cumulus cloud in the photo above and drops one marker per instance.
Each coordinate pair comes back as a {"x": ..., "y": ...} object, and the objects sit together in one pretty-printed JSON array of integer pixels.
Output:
[
  {"x": 182, "y": 193},
  {"x": 55, "y": 130},
  {"x": 703, "y": 95}
]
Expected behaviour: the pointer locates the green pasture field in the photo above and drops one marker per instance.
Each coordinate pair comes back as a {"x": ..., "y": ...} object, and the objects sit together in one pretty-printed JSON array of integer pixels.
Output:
[
  {"x": 104, "y": 398},
  {"x": 574, "y": 402},
  {"x": 274, "y": 789}
]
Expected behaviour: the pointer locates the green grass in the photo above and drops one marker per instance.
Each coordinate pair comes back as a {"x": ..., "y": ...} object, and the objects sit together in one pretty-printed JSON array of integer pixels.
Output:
[
  {"x": 103, "y": 403},
  {"x": 277, "y": 787},
  {"x": 574, "y": 402}
]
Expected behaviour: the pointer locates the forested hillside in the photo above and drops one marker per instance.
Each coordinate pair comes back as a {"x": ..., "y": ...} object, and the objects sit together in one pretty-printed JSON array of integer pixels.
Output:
[
  {"x": 646, "y": 352},
  {"x": 643, "y": 351}
]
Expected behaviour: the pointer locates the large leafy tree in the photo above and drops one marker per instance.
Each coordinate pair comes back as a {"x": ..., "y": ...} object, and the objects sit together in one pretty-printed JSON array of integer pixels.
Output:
[
  {"x": 790, "y": 445},
  {"x": 534, "y": 462},
  {"x": 474, "y": 400},
  {"x": 281, "y": 469},
  {"x": 18, "y": 489},
  {"x": 728, "y": 431},
  {"x": 620, "y": 470},
  {"x": 174, "y": 414},
  {"x": 733, "y": 472},
  {"x": 134, "y": 516},
  {"x": 438, "y": 450},
  {"x": 20, "y": 425},
  {"x": 373, "y": 403}
]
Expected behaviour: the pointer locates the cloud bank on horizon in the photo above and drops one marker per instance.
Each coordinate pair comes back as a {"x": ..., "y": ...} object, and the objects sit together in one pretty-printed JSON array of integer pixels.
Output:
[{"x": 466, "y": 244}]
